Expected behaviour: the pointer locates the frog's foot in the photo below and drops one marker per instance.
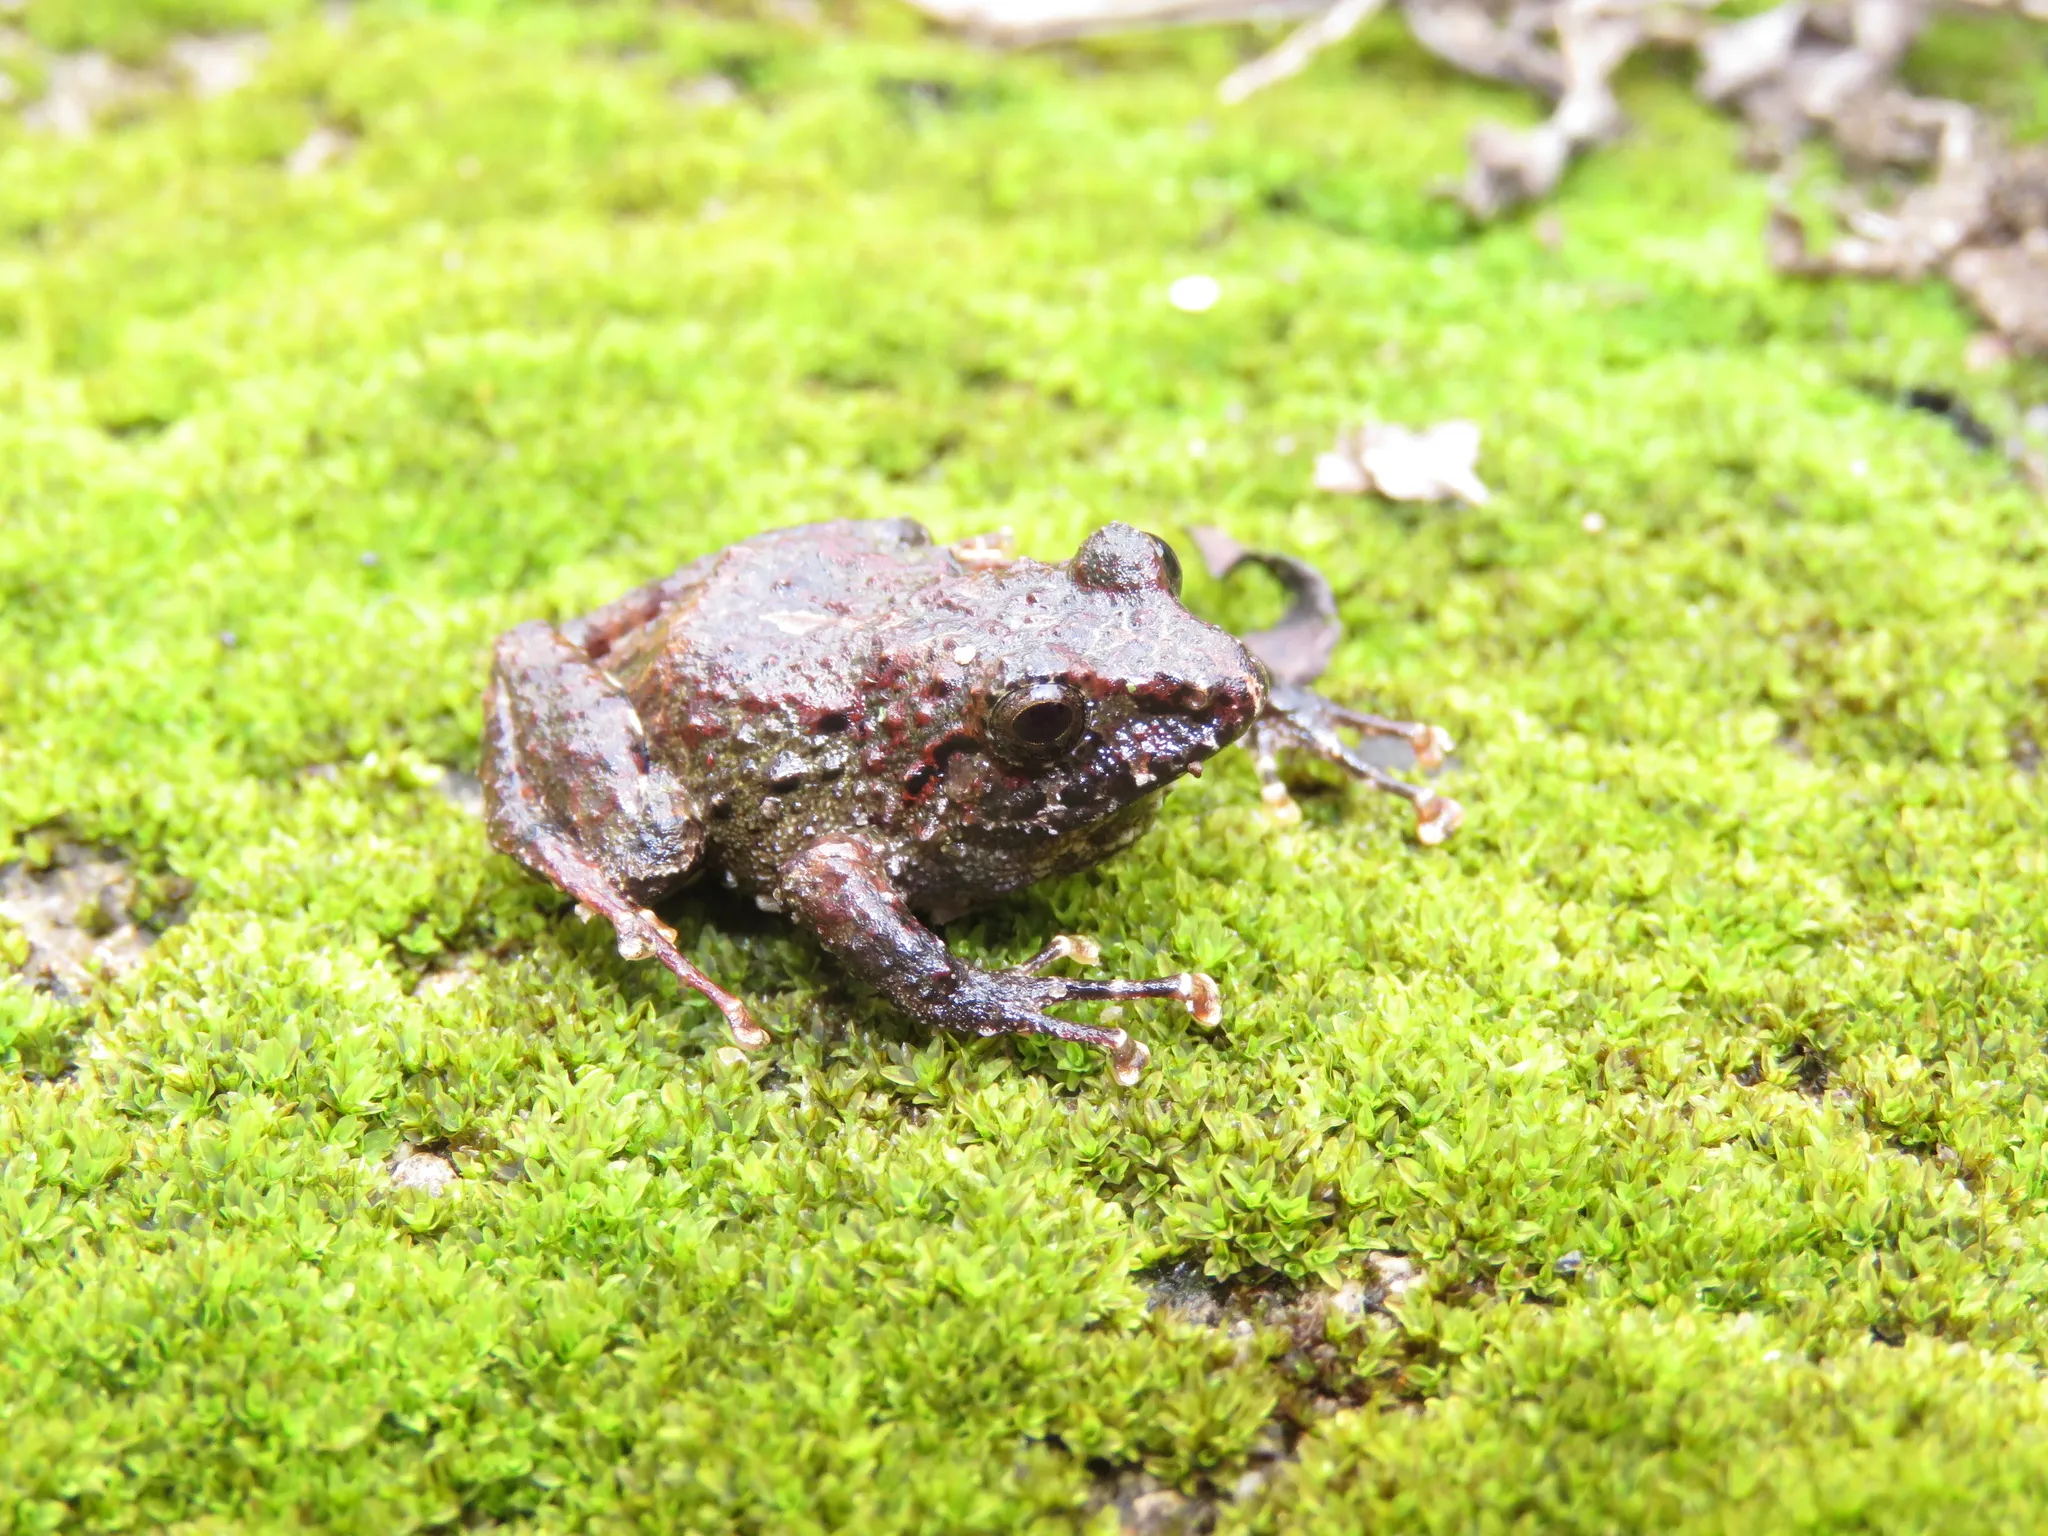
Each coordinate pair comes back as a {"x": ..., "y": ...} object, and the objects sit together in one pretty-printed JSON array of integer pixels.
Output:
[
  {"x": 1301, "y": 721},
  {"x": 1196, "y": 992},
  {"x": 642, "y": 934},
  {"x": 1016, "y": 1001},
  {"x": 840, "y": 888}
]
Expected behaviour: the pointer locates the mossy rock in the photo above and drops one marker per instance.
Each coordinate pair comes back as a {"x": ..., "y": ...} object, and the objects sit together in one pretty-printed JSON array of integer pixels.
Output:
[{"x": 1698, "y": 1085}]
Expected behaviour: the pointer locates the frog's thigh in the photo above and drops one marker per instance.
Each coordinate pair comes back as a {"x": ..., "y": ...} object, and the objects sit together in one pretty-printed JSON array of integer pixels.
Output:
[{"x": 565, "y": 756}]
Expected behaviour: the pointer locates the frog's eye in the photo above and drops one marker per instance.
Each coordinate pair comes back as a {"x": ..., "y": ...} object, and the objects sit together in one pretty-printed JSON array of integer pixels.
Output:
[
  {"x": 1119, "y": 558},
  {"x": 1037, "y": 719},
  {"x": 1168, "y": 561}
]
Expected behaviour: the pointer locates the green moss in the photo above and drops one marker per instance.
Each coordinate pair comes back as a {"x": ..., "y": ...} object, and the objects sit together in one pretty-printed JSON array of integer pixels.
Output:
[
  {"x": 1710, "y": 1052},
  {"x": 137, "y": 29}
]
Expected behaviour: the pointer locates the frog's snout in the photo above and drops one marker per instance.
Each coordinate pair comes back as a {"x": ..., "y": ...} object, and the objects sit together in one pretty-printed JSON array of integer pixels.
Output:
[
  {"x": 1237, "y": 697},
  {"x": 1213, "y": 715},
  {"x": 1233, "y": 706}
]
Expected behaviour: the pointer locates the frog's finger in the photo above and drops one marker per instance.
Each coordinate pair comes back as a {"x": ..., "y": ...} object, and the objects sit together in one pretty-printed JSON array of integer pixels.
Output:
[
  {"x": 1272, "y": 788},
  {"x": 1431, "y": 744},
  {"x": 1300, "y": 721},
  {"x": 1127, "y": 1057},
  {"x": 1076, "y": 947},
  {"x": 1196, "y": 991},
  {"x": 642, "y": 934}
]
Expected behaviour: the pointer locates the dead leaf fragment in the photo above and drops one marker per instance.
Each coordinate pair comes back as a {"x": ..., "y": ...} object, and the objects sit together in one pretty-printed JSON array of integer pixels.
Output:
[
  {"x": 1298, "y": 648},
  {"x": 1435, "y": 464},
  {"x": 2008, "y": 285},
  {"x": 214, "y": 66},
  {"x": 705, "y": 91},
  {"x": 80, "y": 89},
  {"x": 318, "y": 150}
]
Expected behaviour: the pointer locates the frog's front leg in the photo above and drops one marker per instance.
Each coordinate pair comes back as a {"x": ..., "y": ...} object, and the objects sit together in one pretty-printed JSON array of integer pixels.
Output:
[
  {"x": 1296, "y": 719},
  {"x": 840, "y": 889},
  {"x": 569, "y": 791}
]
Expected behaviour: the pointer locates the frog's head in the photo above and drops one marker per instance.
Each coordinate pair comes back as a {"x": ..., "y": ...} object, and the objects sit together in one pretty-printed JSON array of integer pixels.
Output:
[{"x": 1104, "y": 688}]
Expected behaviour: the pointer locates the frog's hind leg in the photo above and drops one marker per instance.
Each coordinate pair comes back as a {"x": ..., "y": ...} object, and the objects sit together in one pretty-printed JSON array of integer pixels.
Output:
[
  {"x": 1301, "y": 721},
  {"x": 570, "y": 793}
]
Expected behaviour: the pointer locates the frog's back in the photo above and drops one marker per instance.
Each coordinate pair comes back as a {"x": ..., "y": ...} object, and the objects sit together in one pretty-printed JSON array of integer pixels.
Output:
[
  {"x": 790, "y": 583},
  {"x": 776, "y": 626}
]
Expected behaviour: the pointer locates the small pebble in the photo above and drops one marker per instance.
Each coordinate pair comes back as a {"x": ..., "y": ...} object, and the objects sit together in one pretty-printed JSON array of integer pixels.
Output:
[
  {"x": 1593, "y": 522},
  {"x": 706, "y": 91},
  {"x": 427, "y": 1171},
  {"x": 1194, "y": 295}
]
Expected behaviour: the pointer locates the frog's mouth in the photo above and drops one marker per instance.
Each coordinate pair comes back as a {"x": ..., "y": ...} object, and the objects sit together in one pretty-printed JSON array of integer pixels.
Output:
[{"x": 1155, "y": 745}]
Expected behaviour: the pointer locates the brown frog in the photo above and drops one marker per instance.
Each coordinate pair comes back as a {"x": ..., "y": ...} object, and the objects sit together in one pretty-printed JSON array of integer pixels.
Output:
[{"x": 861, "y": 728}]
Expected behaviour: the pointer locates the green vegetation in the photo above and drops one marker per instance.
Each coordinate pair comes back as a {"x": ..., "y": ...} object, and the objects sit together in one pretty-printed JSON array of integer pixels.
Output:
[{"x": 1702, "y": 1077}]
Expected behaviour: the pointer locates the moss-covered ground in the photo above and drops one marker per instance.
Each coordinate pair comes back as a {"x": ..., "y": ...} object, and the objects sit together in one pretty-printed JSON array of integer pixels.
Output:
[{"x": 1702, "y": 1079}]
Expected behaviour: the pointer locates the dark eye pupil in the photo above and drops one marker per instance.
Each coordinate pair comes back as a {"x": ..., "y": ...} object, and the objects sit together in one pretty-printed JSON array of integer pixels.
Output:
[
  {"x": 1170, "y": 561},
  {"x": 1043, "y": 725}
]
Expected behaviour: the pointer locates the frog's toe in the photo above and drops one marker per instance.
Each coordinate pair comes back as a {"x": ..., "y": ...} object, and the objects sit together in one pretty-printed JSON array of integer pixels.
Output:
[
  {"x": 1076, "y": 947},
  {"x": 1127, "y": 1060},
  {"x": 746, "y": 1034},
  {"x": 1436, "y": 818},
  {"x": 1280, "y": 807}
]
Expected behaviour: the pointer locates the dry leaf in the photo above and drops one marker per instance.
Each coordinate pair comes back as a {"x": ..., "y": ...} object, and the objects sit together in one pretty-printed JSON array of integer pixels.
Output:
[{"x": 1435, "y": 464}]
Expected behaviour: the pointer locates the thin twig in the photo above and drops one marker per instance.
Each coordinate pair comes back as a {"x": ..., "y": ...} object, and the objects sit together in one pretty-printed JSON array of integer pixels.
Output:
[{"x": 1302, "y": 45}]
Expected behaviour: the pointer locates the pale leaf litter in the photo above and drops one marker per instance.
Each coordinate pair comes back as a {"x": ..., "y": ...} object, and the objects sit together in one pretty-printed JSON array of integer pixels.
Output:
[
  {"x": 1807, "y": 68},
  {"x": 1438, "y": 463},
  {"x": 82, "y": 91}
]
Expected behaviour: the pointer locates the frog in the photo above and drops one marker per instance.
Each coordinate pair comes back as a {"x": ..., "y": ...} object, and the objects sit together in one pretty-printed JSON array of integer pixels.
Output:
[{"x": 876, "y": 733}]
